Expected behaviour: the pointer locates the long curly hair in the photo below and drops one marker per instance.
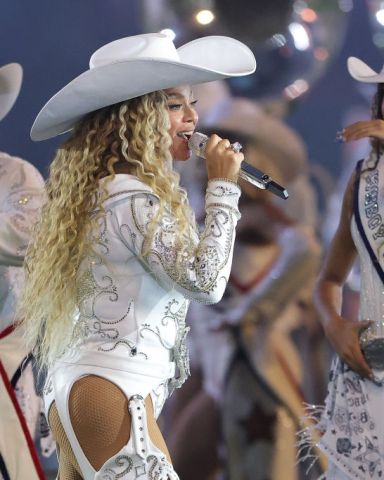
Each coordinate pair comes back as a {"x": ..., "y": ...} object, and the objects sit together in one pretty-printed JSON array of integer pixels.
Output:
[
  {"x": 377, "y": 114},
  {"x": 130, "y": 135}
]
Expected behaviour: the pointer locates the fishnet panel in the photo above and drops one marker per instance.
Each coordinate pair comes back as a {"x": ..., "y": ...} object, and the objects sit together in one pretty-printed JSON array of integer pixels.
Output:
[
  {"x": 68, "y": 466},
  {"x": 101, "y": 421}
]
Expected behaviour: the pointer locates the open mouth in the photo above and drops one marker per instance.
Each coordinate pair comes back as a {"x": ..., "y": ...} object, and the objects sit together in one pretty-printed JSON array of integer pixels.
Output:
[{"x": 185, "y": 135}]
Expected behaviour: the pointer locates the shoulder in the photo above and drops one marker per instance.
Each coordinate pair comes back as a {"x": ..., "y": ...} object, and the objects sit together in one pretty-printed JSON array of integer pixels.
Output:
[
  {"x": 124, "y": 186},
  {"x": 16, "y": 167}
]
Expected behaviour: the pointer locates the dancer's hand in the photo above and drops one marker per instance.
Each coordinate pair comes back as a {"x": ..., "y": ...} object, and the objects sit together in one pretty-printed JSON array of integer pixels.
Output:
[
  {"x": 221, "y": 160},
  {"x": 344, "y": 337},
  {"x": 364, "y": 129}
]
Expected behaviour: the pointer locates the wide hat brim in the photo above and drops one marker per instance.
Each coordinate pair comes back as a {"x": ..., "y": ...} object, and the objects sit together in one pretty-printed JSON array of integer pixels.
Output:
[
  {"x": 119, "y": 81},
  {"x": 361, "y": 72},
  {"x": 11, "y": 77}
]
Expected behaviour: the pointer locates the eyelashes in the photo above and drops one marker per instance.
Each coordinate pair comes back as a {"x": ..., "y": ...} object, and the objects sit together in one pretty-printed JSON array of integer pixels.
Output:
[{"x": 178, "y": 106}]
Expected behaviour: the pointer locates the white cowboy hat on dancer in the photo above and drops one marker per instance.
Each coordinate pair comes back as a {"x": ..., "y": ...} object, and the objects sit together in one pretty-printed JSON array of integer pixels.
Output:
[
  {"x": 11, "y": 76},
  {"x": 133, "y": 66},
  {"x": 361, "y": 72},
  {"x": 248, "y": 118}
]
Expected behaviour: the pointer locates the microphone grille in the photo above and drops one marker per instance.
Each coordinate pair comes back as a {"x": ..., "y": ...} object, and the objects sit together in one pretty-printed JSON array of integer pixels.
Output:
[{"x": 197, "y": 143}]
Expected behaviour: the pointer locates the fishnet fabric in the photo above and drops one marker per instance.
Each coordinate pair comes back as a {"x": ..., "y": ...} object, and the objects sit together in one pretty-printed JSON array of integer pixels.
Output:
[
  {"x": 101, "y": 422},
  {"x": 68, "y": 466}
]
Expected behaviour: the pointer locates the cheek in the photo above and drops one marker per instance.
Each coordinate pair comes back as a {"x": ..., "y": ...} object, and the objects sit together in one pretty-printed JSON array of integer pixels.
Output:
[{"x": 173, "y": 122}]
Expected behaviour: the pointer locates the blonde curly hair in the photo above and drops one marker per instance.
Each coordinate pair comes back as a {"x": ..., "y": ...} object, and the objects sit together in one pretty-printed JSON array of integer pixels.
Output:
[{"x": 131, "y": 134}]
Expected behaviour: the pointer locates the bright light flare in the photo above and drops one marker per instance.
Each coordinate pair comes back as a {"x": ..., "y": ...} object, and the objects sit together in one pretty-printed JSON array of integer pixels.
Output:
[
  {"x": 297, "y": 88},
  {"x": 380, "y": 16},
  {"x": 169, "y": 32},
  {"x": 300, "y": 36},
  {"x": 204, "y": 17},
  {"x": 278, "y": 40},
  {"x": 308, "y": 15}
]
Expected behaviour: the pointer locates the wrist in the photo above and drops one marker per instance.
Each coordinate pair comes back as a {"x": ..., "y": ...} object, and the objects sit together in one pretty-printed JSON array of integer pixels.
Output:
[{"x": 224, "y": 179}]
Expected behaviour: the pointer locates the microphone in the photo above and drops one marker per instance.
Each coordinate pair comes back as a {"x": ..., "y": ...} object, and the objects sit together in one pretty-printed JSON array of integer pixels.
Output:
[{"x": 197, "y": 144}]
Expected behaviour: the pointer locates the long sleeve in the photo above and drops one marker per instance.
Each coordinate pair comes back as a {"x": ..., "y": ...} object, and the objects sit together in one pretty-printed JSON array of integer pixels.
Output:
[
  {"x": 203, "y": 271},
  {"x": 21, "y": 187}
]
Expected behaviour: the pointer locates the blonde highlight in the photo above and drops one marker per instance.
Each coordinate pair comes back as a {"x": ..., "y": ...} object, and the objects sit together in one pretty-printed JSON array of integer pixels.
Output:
[{"x": 134, "y": 135}]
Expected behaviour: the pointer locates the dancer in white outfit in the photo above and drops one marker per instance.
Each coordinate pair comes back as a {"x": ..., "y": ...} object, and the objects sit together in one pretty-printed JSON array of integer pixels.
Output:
[
  {"x": 21, "y": 195},
  {"x": 123, "y": 254},
  {"x": 352, "y": 424}
]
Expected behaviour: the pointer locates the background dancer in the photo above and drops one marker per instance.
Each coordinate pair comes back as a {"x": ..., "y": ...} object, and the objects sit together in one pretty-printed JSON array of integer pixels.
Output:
[
  {"x": 352, "y": 422},
  {"x": 21, "y": 195},
  {"x": 252, "y": 371}
]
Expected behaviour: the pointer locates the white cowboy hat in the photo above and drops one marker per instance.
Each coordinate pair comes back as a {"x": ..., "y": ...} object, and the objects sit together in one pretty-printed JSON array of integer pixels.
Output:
[
  {"x": 287, "y": 150},
  {"x": 132, "y": 66},
  {"x": 11, "y": 76},
  {"x": 362, "y": 72}
]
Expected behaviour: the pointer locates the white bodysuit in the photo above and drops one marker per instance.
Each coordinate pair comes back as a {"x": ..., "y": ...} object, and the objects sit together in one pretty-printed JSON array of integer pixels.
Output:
[{"x": 131, "y": 325}]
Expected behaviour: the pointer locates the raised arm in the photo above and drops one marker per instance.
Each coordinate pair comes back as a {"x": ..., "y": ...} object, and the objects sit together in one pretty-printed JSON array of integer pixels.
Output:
[{"x": 203, "y": 273}]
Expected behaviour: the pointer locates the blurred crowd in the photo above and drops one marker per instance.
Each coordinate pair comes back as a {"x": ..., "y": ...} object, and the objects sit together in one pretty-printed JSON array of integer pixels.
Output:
[{"x": 259, "y": 357}]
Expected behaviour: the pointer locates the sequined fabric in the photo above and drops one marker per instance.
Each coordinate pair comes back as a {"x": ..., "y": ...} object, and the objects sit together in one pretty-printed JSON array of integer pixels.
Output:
[
  {"x": 352, "y": 419},
  {"x": 135, "y": 306}
]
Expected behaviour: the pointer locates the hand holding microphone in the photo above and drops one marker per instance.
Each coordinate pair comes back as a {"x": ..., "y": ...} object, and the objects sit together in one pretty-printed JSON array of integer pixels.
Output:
[
  {"x": 222, "y": 161},
  {"x": 228, "y": 160}
]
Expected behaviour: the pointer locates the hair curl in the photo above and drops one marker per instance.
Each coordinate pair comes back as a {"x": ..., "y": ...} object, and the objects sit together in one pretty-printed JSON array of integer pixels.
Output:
[
  {"x": 377, "y": 114},
  {"x": 131, "y": 134}
]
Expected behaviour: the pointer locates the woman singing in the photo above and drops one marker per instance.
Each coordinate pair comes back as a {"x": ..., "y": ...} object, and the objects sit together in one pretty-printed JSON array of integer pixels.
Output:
[{"x": 116, "y": 256}]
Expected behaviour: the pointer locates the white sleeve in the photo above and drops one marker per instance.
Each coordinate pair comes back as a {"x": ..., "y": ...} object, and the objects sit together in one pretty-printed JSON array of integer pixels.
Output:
[
  {"x": 22, "y": 189},
  {"x": 203, "y": 272}
]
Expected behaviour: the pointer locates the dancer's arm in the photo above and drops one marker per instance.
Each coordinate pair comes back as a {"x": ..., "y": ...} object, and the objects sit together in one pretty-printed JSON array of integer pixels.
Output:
[{"x": 342, "y": 333}]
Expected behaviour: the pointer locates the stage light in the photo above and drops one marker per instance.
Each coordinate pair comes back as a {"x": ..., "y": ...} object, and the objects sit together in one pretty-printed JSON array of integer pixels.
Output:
[
  {"x": 205, "y": 17},
  {"x": 380, "y": 16},
  {"x": 300, "y": 36},
  {"x": 297, "y": 88},
  {"x": 308, "y": 15},
  {"x": 278, "y": 40}
]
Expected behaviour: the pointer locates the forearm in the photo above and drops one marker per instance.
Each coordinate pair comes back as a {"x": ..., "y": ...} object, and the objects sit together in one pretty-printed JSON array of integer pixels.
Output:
[
  {"x": 327, "y": 300},
  {"x": 281, "y": 288}
]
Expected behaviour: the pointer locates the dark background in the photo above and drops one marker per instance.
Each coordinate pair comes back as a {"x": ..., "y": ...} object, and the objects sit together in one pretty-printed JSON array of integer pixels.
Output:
[{"x": 53, "y": 41}]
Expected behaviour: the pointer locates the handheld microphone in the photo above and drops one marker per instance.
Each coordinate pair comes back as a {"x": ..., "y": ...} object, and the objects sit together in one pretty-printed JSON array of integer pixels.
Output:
[{"x": 197, "y": 144}]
